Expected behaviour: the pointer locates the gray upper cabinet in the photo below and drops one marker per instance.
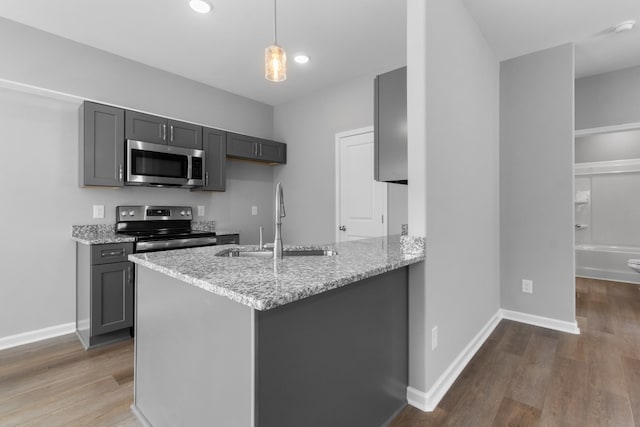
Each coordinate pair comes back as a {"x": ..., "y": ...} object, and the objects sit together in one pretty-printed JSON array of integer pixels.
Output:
[
  {"x": 251, "y": 148},
  {"x": 390, "y": 126},
  {"x": 272, "y": 151},
  {"x": 215, "y": 148},
  {"x": 159, "y": 130},
  {"x": 101, "y": 145}
]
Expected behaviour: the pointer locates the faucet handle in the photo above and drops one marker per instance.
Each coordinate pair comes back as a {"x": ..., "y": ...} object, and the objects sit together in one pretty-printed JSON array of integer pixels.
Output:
[{"x": 261, "y": 241}]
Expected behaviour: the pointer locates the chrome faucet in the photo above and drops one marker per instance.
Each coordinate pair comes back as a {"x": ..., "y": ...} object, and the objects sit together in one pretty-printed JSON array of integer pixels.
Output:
[{"x": 280, "y": 213}]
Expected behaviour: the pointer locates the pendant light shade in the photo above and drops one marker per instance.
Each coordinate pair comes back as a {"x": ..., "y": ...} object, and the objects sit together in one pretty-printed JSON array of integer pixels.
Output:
[
  {"x": 275, "y": 58},
  {"x": 275, "y": 63}
]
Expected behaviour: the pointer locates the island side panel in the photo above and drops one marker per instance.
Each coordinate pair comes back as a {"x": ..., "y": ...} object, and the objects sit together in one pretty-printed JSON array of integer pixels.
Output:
[
  {"x": 336, "y": 359},
  {"x": 194, "y": 355}
]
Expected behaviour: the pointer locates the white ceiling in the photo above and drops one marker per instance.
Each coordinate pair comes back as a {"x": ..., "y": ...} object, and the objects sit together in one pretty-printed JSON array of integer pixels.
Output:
[
  {"x": 518, "y": 27},
  {"x": 344, "y": 38},
  {"x": 225, "y": 48}
]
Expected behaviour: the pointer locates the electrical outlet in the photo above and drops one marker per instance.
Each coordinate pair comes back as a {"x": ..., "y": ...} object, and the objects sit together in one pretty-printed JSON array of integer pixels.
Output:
[
  {"x": 527, "y": 286},
  {"x": 200, "y": 210},
  {"x": 98, "y": 211},
  {"x": 434, "y": 338},
  {"x": 254, "y": 210}
]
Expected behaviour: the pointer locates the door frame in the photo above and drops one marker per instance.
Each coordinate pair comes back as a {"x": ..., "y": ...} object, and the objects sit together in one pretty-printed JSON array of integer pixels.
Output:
[{"x": 385, "y": 196}]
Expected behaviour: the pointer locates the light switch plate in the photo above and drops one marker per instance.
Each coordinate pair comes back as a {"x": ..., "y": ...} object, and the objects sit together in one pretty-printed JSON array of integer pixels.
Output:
[
  {"x": 200, "y": 210},
  {"x": 254, "y": 210},
  {"x": 98, "y": 211}
]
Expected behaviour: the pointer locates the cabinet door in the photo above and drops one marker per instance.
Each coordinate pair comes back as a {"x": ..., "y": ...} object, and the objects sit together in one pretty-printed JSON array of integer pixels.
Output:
[
  {"x": 242, "y": 146},
  {"x": 102, "y": 145},
  {"x": 145, "y": 127},
  {"x": 111, "y": 297},
  {"x": 183, "y": 134},
  {"x": 390, "y": 126},
  {"x": 215, "y": 149},
  {"x": 271, "y": 151}
]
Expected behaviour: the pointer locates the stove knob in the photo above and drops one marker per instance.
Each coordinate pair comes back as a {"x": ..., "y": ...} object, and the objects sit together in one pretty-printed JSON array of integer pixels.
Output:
[
  {"x": 182, "y": 213},
  {"x": 123, "y": 213},
  {"x": 132, "y": 213}
]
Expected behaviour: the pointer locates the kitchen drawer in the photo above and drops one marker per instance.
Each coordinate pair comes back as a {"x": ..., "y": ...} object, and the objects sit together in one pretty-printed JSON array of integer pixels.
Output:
[{"x": 111, "y": 252}]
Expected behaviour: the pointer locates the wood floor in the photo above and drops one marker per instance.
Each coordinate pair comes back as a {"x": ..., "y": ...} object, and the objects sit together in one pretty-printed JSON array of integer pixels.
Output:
[
  {"x": 56, "y": 383},
  {"x": 522, "y": 376},
  {"x": 529, "y": 376}
]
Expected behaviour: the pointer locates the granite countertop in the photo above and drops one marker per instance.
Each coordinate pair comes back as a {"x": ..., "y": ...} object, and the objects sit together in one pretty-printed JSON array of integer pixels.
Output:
[
  {"x": 265, "y": 283},
  {"x": 96, "y": 234}
]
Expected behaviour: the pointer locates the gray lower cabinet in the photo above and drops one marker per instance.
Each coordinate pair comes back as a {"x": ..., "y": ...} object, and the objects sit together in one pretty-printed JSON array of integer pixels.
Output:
[
  {"x": 101, "y": 145},
  {"x": 390, "y": 127},
  {"x": 214, "y": 144},
  {"x": 251, "y": 148},
  {"x": 228, "y": 239},
  {"x": 104, "y": 293},
  {"x": 160, "y": 130}
]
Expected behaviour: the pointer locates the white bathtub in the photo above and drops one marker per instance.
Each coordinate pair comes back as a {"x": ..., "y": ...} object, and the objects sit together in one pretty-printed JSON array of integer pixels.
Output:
[{"x": 606, "y": 262}]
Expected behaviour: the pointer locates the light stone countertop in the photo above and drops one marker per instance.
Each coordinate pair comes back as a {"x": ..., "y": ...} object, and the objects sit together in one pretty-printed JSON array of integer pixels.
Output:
[
  {"x": 97, "y": 234},
  {"x": 265, "y": 283}
]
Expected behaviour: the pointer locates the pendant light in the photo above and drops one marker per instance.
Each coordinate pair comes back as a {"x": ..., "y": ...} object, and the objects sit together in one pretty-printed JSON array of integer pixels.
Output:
[{"x": 275, "y": 58}]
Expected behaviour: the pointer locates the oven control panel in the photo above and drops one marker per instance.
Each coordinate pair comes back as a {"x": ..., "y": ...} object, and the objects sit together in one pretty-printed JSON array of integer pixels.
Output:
[{"x": 153, "y": 213}]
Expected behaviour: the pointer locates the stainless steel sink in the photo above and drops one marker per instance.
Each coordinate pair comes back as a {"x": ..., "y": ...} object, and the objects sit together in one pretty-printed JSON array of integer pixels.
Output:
[{"x": 233, "y": 253}]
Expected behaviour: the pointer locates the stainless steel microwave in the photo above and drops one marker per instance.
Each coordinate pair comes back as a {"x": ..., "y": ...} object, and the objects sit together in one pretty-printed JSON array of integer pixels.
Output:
[{"x": 162, "y": 165}]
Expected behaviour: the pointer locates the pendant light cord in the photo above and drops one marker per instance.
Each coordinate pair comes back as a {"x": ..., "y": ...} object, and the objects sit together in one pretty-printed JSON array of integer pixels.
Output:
[{"x": 275, "y": 23}]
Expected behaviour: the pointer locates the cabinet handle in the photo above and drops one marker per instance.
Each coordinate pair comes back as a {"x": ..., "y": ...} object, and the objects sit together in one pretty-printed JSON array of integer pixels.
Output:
[
  {"x": 120, "y": 172},
  {"x": 206, "y": 179},
  {"x": 164, "y": 132},
  {"x": 260, "y": 145},
  {"x": 171, "y": 136},
  {"x": 255, "y": 148}
]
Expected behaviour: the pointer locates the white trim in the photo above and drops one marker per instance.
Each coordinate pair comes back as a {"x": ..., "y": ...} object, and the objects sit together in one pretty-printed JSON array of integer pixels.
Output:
[
  {"x": 428, "y": 401},
  {"x": 37, "y": 335},
  {"x": 544, "y": 322},
  {"x": 141, "y": 418},
  {"x": 339, "y": 136},
  {"x": 606, "y": 167},
  {"x": 606, "y": 129}
]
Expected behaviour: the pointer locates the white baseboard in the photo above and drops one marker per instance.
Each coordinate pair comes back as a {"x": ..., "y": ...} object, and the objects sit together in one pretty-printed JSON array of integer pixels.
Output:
[
  {"x": 428, "y": 401},
  {"x": 544, "y": 322},
  {"x": 37, "y": 335},
  {"x": 143, "y": 420}
]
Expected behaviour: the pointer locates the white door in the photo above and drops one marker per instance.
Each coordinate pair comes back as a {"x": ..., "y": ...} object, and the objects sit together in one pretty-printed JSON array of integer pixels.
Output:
[{"x": 361, "y": 201}]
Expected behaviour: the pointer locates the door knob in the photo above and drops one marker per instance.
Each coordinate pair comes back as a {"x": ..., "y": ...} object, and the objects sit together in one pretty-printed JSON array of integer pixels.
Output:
[{"x": 342, "y": 228}]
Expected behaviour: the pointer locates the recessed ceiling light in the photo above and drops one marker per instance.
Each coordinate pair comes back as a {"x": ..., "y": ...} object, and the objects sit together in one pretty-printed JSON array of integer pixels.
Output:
[
  {"x": 200, "y": 6},
  {"x": 624, "y": 26},
  {"x": 301, "y": 59}
]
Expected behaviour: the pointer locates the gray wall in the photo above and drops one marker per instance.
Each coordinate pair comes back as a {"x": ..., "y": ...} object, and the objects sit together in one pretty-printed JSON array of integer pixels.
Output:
[
  {"x": 536, "y": 183},
  {"x": 459, "y": 292},
  {"x": 608, "y": 99},
  {"x": 39, "y": 59},
  {"x": 309, "y": 126},
  {"x": 38, "y": 288}
]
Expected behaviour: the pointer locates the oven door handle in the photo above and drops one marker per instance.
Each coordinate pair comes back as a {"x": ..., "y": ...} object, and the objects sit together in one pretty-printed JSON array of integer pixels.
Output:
[{"x": 159, "y": 245}]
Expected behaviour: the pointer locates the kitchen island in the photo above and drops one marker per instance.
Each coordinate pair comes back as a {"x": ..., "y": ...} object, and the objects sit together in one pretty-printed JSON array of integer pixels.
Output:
[{"x": 253, "y": 341}]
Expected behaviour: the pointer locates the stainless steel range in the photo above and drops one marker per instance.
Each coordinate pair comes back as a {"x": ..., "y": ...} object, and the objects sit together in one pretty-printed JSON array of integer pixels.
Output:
[{"x": 158, "y": 228}]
